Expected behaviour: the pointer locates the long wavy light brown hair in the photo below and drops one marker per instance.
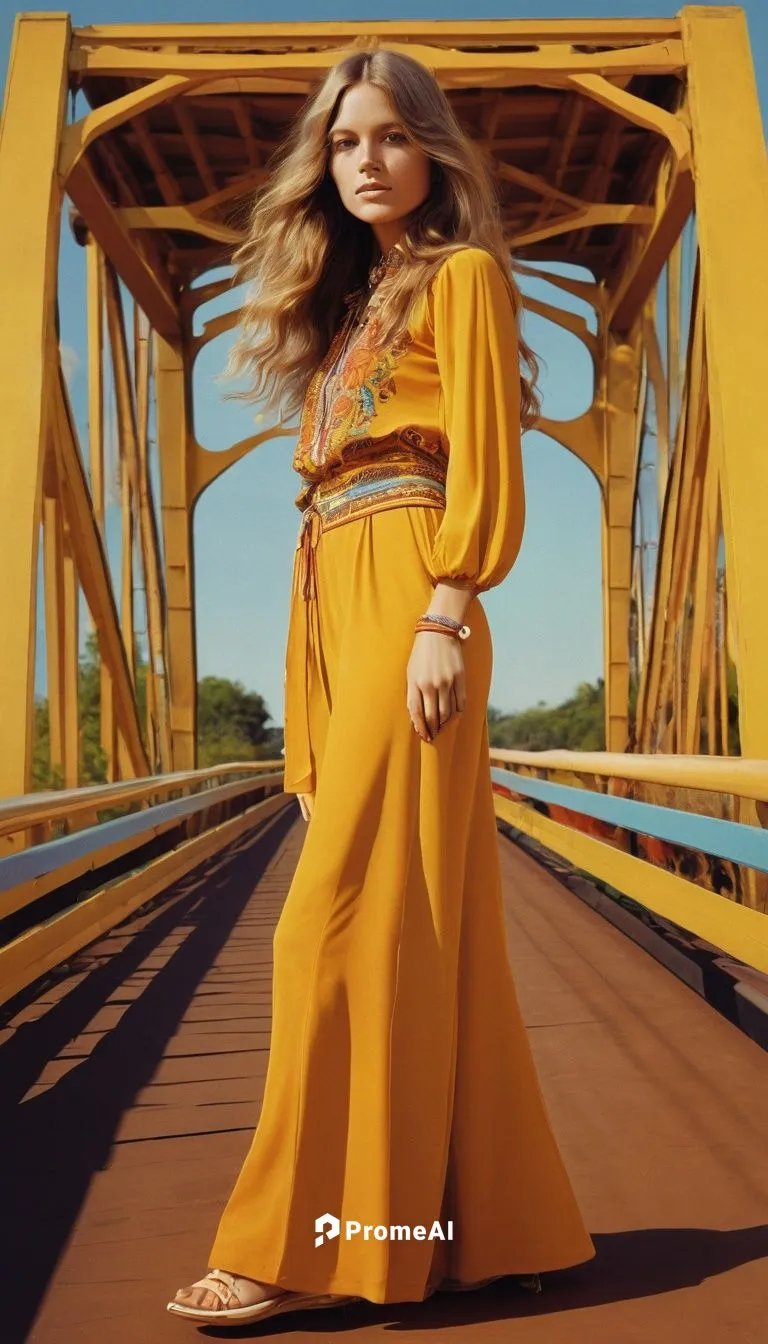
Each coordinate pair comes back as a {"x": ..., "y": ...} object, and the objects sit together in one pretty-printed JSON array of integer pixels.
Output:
[{"x": 304, "y": 251}]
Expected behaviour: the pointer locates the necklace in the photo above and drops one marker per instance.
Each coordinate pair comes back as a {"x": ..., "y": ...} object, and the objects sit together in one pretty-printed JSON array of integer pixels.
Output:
[
  {"x": 387, "y": 264},
  {"x": 358, "y": 300}
]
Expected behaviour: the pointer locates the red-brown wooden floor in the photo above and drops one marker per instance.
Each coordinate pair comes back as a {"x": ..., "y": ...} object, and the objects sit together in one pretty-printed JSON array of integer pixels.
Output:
[{"x": 135, "y": 1081}]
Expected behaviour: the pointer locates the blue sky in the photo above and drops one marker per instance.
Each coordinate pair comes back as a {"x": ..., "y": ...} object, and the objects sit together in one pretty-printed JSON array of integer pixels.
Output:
[{"x": 546, "y": 617}]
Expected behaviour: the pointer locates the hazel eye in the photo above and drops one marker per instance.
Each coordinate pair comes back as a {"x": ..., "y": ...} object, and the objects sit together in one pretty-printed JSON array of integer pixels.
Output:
[{"x": 339, "y": 144}]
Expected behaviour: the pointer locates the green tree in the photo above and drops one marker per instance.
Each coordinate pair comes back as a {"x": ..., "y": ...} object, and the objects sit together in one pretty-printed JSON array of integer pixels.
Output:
[
  {"x": 231, "y": 723},
  {"x": 578, "y": 724},
  {"x": 43, "y": 777},
  {"x": 93, "y": 758}
]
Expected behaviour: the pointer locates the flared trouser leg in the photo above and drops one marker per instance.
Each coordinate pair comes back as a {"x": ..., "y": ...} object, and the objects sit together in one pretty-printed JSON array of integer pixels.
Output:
[
  {"x": 399, "y": 1074},
  {"x": 507, "y": 1192}
]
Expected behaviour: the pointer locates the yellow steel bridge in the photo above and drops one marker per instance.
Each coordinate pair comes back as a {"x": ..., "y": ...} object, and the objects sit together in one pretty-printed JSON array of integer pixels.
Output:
[{"x": 131, "y": 1044}]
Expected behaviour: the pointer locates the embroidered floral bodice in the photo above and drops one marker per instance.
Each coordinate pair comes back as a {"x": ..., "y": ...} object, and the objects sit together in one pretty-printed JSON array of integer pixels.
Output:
[{"x": 449, "y": 385}]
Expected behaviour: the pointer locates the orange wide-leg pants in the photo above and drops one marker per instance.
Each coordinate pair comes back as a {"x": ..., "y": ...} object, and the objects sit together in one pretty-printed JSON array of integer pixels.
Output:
[{"x": 401, "y": 1089}]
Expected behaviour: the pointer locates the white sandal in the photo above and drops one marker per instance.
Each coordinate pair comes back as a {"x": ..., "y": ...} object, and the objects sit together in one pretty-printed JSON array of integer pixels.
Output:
[{"x": 224, "y": 1285}]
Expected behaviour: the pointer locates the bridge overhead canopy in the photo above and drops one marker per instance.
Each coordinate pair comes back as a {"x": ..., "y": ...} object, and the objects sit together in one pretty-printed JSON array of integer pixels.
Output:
[{"x": 556, "y": 147}]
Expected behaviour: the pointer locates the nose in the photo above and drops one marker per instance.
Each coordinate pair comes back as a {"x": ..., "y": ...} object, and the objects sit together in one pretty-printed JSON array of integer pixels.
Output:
[{"x": 367, "y": 159}]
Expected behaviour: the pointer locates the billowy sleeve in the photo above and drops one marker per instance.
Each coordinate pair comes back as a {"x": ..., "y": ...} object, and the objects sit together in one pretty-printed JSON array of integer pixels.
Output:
[{"x": 476, "y": 347}]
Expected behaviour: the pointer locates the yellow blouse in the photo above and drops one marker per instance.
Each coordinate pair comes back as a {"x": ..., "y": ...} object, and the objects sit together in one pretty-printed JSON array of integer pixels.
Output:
[{"x": 450, "y": 385}]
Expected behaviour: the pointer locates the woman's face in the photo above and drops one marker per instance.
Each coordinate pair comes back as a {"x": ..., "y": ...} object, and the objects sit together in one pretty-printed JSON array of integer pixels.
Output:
[{"x": 368, "y": 144}]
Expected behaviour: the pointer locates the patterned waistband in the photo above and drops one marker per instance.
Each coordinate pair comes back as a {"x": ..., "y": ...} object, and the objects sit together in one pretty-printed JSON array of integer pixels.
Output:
[{"x": 392, "y": 480}]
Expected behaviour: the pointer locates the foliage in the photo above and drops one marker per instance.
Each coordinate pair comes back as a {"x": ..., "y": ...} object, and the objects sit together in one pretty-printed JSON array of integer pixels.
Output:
[
  {"x": 93, "y": 758},
  {"x": 43, "y": 776},
  {"x": 230, "y": 722},
  {"x": 576, "y": 725}
]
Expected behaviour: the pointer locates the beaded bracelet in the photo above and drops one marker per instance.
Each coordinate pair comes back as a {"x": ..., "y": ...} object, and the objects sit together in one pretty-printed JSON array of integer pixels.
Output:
[
  {"x": 440, "y": 620},
  {"x": 436, "y": 629},
  {"x": 444, "y": 625}
]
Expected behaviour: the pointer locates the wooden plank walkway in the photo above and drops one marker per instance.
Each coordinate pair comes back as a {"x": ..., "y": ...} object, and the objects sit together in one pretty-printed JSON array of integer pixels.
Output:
[{"x": 131, "y": 1089}]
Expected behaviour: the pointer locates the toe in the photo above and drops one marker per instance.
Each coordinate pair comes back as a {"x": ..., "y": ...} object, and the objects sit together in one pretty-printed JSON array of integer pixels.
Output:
[
  {"x": 206, "y": 1299},
  {"x": 197, "y": 1296}
]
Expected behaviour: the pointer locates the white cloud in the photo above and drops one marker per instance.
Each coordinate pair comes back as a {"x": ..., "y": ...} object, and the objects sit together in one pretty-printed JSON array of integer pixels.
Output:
[
  {"x": 112, "y": 487},
  {"x": 70, "y": 361}
]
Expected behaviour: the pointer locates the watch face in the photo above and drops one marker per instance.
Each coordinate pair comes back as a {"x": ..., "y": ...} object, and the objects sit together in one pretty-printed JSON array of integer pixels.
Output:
[{"x": 464, "y": 632}]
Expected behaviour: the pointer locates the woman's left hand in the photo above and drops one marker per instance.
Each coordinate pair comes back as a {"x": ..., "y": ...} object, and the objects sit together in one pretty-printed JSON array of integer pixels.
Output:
[
  {"x": 307, "y": 804},
  {"x": 436, "y": 682}
]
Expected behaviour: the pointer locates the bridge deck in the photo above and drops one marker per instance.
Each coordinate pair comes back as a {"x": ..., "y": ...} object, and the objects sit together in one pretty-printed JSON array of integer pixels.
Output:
[{"x": 136, "y": 1079}]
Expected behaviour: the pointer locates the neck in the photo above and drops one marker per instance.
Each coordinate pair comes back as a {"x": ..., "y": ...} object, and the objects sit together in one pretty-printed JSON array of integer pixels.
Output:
[
  {"x": 387, "y": 253},
  {"x": 389, "y": 236}
]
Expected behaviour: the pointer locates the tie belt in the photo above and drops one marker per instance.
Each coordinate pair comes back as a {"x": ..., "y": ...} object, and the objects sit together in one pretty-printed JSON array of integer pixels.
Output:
[{"x": 393, "y": 480}]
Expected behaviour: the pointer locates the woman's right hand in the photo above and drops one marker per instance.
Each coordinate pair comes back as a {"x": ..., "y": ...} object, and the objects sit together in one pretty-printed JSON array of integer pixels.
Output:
[
  {"x": 307, "y": 804},
  {"x": 436, "y": 682}
]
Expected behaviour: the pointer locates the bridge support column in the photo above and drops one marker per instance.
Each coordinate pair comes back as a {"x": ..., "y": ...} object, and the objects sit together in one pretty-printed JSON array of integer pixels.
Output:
[
  {"x": 732, "y": 226},
  {"x": 173, "y": 433},
  {"x": 619, "y": 378},
  {"x": 30, "y": 211}
]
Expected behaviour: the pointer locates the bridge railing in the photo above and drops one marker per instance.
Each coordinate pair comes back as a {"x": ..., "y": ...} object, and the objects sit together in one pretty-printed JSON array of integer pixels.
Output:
[
  {"x": 680, "y": 835},
  {"x": 93, "y": 855}
]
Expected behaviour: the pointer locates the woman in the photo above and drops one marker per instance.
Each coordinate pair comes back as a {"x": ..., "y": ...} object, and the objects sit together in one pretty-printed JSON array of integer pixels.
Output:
[{"x": 401, "y": 1092}]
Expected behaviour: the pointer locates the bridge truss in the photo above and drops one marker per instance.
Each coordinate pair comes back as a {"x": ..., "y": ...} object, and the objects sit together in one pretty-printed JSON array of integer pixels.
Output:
[{"x": 632, "y": 148}]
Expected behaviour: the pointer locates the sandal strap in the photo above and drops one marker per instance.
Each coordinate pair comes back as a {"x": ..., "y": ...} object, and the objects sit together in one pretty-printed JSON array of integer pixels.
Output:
[{"x": 228, "y": 1281}]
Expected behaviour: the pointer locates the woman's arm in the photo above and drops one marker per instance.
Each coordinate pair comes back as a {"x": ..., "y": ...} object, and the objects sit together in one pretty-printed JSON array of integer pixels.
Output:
[
  {"x": 451, "y": 597},
  {"x": 477, "y": 542},
  {"x": 476, "y": 347}
]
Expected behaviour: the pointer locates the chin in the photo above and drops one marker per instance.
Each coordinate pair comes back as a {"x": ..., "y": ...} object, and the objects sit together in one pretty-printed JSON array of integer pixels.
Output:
[{"x": 382, "y": 212}]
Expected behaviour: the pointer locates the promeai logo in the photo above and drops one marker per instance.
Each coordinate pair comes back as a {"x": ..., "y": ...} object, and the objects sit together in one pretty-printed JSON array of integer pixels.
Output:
[{"x": 327, "y": 1226}]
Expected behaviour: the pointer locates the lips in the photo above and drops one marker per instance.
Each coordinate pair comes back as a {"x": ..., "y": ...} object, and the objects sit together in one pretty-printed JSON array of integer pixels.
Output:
[{"x": 371, "y": 186}]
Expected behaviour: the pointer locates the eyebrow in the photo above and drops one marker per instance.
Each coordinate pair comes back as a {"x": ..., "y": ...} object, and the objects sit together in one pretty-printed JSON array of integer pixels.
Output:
[{"x": 335, "y": 130}]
